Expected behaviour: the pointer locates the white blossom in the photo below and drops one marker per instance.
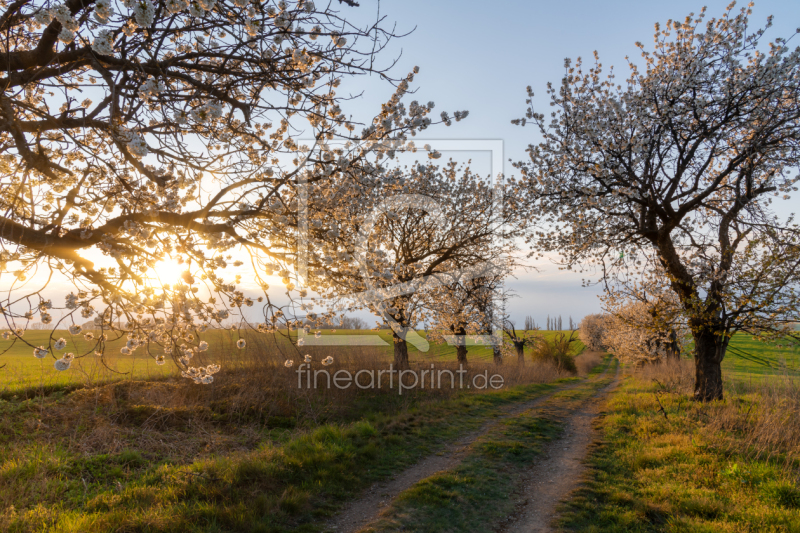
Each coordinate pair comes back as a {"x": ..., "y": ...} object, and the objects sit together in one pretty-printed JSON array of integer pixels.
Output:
[
  {"x": 150, "y": 89},
  {"x": 62, "y": 14},
  {"x": 103, "y": 44},
  {"x": 66, "y": 35},
  {"x": 176, "y": 6},
  {"x": 208, "y": 112},
  {"x": 144, "y": 12},
  {"x": 103, "y": 11},
  {"x": 43, "y": 17}
]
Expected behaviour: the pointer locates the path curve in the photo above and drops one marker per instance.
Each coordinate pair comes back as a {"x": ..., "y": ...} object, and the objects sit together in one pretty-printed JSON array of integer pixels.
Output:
[{"x": 366, "y": 509}]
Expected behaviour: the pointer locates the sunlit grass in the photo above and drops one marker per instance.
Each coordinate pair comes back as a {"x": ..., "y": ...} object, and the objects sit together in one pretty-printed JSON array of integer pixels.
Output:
[
  {"x": 23, "y": 371},
  {"x": 666, "y": 472}
]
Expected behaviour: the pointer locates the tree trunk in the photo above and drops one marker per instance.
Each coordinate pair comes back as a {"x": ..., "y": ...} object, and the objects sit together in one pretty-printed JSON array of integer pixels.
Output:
[
  {"x": 498, "y": 356},
  {"x": 400, "y": 352},
  {"x": 461, "y": 354},
  {"x": 520, "y": 348},
  {"x": 461, "y": 345},
  {"x": 709, "y": 349},
  {"x": 673, "y": 348}
]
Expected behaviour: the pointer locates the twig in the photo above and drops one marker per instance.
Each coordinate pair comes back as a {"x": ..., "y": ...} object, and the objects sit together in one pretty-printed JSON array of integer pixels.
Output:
[{"x": 661, "y": 407}]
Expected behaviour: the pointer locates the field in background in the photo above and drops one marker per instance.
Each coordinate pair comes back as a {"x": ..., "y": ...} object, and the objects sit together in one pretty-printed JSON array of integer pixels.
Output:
[
  {"x": 747, "y": 359},
  {"x": 752, "y": 360},
  {"x": 23, "y": 371}
]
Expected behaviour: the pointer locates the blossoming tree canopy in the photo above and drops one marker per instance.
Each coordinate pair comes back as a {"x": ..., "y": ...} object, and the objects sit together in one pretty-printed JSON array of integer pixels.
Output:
[
  {"x": 140, "y": 133},
  {"x": 409, "y": 227},
  {"x": 683, "y": 160}
]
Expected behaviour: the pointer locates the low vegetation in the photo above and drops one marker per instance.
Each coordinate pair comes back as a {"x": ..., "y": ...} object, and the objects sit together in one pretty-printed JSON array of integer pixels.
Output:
[
  {"x": 251, "y": 452},
  {"x": 667, "y": 463}
]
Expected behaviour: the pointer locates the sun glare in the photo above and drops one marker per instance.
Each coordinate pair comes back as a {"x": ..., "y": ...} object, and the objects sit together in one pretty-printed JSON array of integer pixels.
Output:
[{"x": 168, "y": 271}]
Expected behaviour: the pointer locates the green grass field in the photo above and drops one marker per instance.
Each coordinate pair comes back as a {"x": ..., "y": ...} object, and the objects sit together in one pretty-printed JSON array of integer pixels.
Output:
[
  {"x": 23, "y": 371},
  {"x": 749, "y": 359}
]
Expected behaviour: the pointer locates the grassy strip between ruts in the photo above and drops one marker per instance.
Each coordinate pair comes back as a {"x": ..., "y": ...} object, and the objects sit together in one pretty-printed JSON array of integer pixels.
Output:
[
  {"x": 291, "y": 485},
  {"x": 478, "y": 493},
  {"x": 655, "y": 473}
]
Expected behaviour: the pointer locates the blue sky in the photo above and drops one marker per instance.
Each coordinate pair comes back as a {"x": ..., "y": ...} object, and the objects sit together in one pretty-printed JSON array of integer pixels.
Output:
[{"x": 480, "y": 56}]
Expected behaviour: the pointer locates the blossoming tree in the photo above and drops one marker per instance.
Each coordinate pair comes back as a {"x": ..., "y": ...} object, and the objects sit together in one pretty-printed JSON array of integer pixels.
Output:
[
  {"x": 683, "y": 161},
  {"x": 135, "y": 133},
  {"x": 410, "y": 231},
  {"x": 463, "y": 301}
]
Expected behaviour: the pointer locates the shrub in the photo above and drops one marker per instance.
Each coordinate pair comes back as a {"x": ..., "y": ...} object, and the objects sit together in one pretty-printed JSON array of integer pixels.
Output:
[{"x": 558, "y": 353}]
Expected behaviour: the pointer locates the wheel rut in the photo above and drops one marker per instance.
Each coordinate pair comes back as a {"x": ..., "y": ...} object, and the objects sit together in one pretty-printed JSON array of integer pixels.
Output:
[
  {"x": 559, "y": 471},
  {"x": 368, "y": 507}
]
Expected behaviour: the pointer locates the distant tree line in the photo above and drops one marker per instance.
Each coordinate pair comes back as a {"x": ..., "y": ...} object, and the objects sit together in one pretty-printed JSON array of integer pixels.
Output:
[{"x": 553, "y": 324}]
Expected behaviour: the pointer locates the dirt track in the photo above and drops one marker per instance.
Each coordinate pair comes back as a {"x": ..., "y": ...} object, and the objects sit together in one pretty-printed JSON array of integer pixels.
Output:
[
  {"x": 558, "y": 472},
  {"x": 368, "y": 507}
]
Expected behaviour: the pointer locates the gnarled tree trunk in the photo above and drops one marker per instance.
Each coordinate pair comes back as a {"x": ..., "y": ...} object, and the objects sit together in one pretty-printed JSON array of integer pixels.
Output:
[
  {"x": 709, "y": 350},
  {"x": 400, "y": 351},
  {"x": 520, "y": 349}
]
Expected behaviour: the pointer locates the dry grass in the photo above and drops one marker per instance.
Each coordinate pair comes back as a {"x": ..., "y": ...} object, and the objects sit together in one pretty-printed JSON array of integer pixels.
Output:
[
  {"x": 586, "y": 361},
  {"x": 672, "y": 376},
  {"x": 254, "y": 394},
  {"x": 758, "y": 420},
  {"x": 761, "y": 420}
]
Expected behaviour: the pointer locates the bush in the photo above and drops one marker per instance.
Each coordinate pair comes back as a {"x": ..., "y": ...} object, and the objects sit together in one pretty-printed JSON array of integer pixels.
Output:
[{"x": 559, "y": 353}]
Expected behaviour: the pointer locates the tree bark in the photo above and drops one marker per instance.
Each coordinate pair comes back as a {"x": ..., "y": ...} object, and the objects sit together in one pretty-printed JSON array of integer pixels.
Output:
[
  {"x": 709, "y": 349},
  {"x": 400, "y": 352},
  {"x": 498, "y": 356},
  {"x": 461, "y": 345},
  {"x": 673, "y": 348},
  {"x": 520, "y": 348},
  {"x": 461, "y": 354}
]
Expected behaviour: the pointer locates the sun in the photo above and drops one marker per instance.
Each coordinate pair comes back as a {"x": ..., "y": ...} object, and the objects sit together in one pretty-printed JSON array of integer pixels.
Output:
[{"x": 168, "y": 271}]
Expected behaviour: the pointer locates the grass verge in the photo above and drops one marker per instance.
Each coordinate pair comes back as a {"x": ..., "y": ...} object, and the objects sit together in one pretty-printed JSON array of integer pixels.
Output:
[{"x": 689, "y": 467}]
